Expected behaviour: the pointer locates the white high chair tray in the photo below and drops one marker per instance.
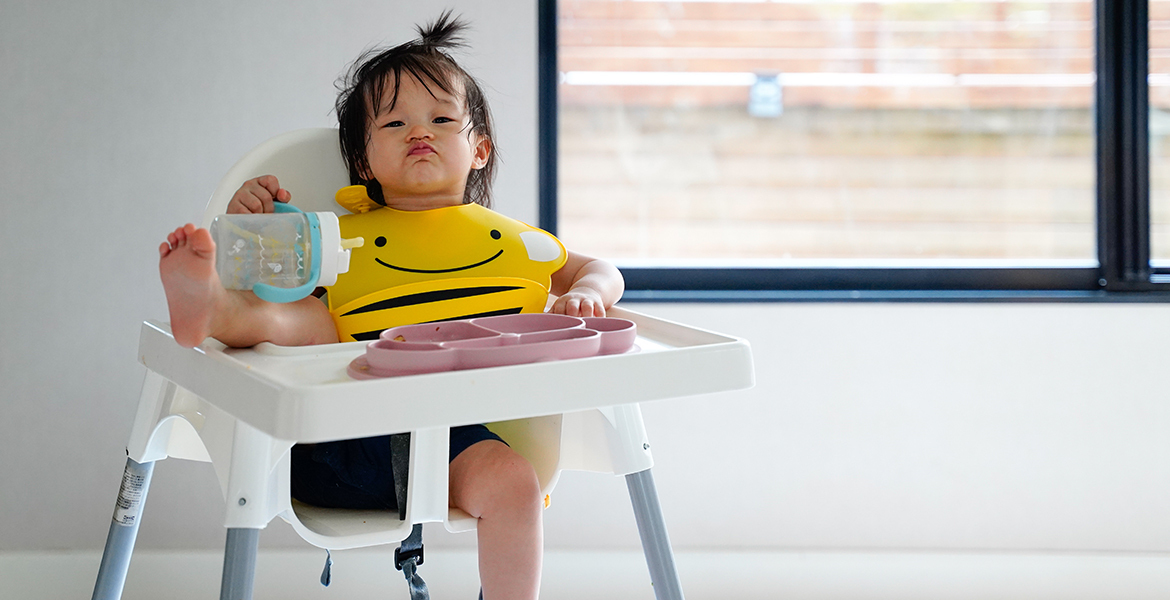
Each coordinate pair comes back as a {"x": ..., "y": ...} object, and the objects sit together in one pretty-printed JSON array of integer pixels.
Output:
[{"x": 304, "y": 393}]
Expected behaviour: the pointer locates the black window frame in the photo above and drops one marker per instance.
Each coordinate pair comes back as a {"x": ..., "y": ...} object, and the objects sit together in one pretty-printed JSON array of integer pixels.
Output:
[
  {"x": 1123, "y": 271},
  {"x": 1121, "y": 107}
]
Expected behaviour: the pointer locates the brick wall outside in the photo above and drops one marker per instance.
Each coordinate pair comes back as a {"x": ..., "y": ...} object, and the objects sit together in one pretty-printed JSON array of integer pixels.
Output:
[{"x": 877, "y": 172}]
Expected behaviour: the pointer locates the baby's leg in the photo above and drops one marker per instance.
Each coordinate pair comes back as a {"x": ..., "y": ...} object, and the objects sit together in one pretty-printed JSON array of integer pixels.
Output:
[
  {"x": 490, "y": 481},
  {"x": 200, "y": 307}
]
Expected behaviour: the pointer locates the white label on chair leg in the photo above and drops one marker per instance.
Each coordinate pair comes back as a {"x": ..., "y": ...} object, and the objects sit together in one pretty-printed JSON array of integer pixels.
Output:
[{"x": 129, "y": 505}]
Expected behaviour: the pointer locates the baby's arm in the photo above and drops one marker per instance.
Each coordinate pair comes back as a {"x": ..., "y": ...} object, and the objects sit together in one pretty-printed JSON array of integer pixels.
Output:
[{"x": 587, "y": 286}]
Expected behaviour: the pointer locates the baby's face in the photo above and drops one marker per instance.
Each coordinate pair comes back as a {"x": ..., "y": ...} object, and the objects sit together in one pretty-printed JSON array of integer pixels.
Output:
[{"x": 422, "y": 150}]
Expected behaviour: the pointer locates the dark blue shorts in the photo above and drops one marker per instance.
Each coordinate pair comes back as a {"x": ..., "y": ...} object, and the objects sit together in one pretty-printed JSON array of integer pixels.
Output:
[{"x": 357, "y": 473}]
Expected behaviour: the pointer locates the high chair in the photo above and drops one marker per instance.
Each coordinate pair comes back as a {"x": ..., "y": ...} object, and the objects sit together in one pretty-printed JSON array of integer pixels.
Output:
[{"x": 244, "y": 409}]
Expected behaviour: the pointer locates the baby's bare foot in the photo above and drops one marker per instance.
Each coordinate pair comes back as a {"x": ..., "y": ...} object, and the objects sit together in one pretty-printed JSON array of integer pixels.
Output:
[{"x": 194, "y": 293}]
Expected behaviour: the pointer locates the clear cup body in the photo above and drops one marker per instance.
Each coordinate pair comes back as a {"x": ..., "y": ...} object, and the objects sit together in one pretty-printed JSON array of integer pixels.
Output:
[{"x": 273, "y": 248}]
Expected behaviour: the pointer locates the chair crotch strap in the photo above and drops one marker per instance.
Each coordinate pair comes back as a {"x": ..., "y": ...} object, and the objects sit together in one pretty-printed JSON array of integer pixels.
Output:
[
  {"x": 411, "y": 549},
  {"x": 327, "y": 572},
  {"x": 407, "y": 558},
  {"x": 409, "y": 555}
]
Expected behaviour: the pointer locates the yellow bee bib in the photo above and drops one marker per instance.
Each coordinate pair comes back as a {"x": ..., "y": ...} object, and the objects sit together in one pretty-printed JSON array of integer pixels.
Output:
[{"x": 446, "y": 263}]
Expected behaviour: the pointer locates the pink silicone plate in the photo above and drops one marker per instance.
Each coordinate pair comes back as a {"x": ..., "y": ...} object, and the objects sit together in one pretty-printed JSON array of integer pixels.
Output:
[{"x": 490, "y": 342}]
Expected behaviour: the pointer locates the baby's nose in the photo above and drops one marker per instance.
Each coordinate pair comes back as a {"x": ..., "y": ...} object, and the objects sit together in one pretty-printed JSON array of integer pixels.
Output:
[{"x": 419, "y": 132}]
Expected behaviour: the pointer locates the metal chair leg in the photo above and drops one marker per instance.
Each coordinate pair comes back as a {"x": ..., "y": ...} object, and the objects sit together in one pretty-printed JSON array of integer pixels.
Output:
[
  {"x": 655, "y": 542},
  {"x": 239, "y": 564},
  {"x": 123, "y": 531}
]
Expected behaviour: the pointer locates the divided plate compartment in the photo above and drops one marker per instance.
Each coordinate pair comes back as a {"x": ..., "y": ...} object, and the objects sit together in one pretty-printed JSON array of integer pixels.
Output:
[{"x": 491, "y": 342}]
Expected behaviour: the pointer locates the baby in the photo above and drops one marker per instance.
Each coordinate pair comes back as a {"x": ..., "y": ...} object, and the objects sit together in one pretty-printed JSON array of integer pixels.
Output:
[{"x": 414, "y": 129}]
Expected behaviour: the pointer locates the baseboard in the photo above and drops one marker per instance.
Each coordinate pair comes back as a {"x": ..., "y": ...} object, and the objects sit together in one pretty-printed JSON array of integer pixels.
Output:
[{"x": 577, "y": 575}]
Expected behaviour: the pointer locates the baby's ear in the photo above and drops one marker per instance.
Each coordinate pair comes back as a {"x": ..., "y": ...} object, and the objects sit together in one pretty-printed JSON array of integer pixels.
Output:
[{"x": 481, "y": 152}]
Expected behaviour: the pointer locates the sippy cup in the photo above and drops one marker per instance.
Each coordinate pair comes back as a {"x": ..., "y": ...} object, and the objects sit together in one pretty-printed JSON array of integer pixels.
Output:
[{"x": 282, "y": 256}]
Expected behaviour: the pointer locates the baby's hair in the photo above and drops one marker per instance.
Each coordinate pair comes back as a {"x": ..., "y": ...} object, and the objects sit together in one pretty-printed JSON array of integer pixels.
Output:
[{"x": 364, "y": 88}]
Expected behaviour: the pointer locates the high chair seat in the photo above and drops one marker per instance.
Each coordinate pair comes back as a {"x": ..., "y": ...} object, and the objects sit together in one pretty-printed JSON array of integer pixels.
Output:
[{"x": 244, "y": 409}]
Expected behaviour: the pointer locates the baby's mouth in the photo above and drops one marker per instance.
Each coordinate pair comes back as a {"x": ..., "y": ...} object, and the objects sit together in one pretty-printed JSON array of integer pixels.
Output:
[{"x": 420, "y": 148}]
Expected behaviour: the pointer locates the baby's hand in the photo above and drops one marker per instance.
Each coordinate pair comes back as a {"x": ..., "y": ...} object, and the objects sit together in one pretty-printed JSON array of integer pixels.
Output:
[
  {"x": 579, "y": 302},
  {"x": 256, "y": 196}
]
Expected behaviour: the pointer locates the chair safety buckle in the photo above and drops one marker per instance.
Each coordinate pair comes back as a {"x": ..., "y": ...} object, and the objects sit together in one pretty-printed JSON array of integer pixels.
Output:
[{"x": 401, "y": 556}]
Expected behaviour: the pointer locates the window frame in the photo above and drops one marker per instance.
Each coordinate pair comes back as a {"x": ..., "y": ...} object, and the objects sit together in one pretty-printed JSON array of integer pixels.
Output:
[{"x": 1121, "y": 141}]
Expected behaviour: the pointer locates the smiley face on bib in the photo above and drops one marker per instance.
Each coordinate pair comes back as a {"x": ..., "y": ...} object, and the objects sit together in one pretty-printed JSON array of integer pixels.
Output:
[{"x": 439, "y": 264}]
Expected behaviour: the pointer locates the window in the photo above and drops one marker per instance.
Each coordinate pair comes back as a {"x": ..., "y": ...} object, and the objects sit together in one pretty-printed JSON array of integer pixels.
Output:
[
  {"x": 747, "y": 149},
  {"x": 1159, "y": 127}
]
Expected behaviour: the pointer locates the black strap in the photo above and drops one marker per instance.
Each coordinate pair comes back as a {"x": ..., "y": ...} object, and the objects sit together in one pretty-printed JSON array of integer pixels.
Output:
[
  {"x": 411, "y": 549},
  {"x": 409, "y": 555},
  {"x": 327, "y": 573},
  {"x": 407, "y": 558},
  {"x": 400, "y": 465}
]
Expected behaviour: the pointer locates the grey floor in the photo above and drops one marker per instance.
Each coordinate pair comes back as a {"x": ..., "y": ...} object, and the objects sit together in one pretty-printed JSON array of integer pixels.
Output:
[{"x": 451, "y": 574}]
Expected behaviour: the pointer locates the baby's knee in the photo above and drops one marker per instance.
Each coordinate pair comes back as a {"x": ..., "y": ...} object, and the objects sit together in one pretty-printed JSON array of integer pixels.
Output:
[
  {"x": 518, "y": 473},
  {"x": 491, "y": 480},
  {"x": 513, "y": 477}
]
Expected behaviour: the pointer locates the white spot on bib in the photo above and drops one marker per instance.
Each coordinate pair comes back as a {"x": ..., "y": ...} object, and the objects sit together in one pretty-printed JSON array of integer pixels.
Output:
[{"x": 541, "y": 246}]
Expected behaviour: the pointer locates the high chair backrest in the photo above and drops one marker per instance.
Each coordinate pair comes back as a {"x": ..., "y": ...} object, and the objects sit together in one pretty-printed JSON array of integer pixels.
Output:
[{"x": 307, "y": 162}]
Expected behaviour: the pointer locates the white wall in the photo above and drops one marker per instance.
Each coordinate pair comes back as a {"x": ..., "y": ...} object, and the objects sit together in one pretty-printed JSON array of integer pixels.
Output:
[
  {"x": 1023, "y": 427},
  {"x": 891, "y": 426},
  {"x": 119, "y": 117}
]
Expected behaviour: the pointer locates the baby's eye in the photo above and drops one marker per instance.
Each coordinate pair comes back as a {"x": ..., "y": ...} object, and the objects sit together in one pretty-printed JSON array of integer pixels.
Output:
[
  {"x": 394, "y": 124},
  {"x": 443, "y": 120}
]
